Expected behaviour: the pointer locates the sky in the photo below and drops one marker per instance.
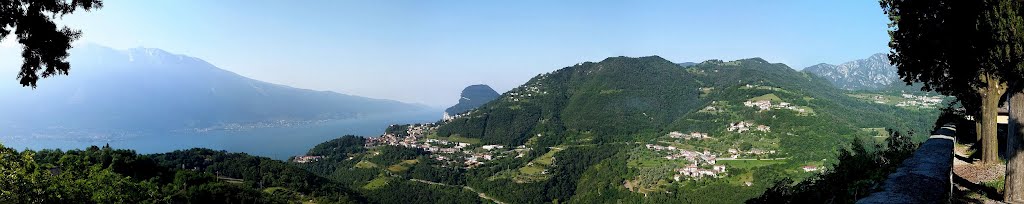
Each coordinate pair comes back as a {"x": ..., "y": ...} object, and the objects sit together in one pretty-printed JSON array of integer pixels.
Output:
[{"x": 427, "y": 51}]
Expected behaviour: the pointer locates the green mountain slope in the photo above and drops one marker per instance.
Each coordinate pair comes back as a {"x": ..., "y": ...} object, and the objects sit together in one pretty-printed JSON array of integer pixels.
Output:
[
  {"x": 633, "y": 130},
  {"x": 616, "y": 96},
  {"x": 107, "y": 175}
]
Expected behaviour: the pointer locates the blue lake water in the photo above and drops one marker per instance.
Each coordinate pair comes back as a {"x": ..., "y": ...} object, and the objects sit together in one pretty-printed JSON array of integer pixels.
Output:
[{"x": 274, "y": 142}]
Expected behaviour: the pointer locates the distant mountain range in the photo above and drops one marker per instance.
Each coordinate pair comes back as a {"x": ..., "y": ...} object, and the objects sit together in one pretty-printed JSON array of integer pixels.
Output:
[
  {"x": 151, "y": 88},
  {"x": 472, "y": 96},
  {"x": 873, "y": 73}
]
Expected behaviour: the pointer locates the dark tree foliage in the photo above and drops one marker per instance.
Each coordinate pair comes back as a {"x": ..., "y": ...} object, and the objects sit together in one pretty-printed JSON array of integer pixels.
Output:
[
  {"x": 107, "y": 175},
  {"x": 398, "y": 130},
  {"x": 432, "y": 170},
  {"x": 401, "y": 192},
  {"x": 570, "y": 165},
  {"x": 45, "y": 46},
  {"x": 394, "y": 154},
  {"x": 933, "y": 43},
  {"x": 344, "y": 153},
  {"x": 959, "y": 48},
  {"x": 847, "y": 181},
  {"x": 341, "y": 147},
  {"x": 255, "y": 172}
]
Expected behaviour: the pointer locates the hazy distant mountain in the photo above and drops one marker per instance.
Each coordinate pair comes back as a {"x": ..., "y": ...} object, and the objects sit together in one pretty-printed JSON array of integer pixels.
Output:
[
  {"x": 151, "y": 88},
  {"x": 472, "y": 96},
  {"x": 872, "y": 73}
]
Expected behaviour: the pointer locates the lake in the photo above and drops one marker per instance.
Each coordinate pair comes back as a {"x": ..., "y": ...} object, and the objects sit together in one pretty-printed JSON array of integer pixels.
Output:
[{"x": 274, "y": 142}]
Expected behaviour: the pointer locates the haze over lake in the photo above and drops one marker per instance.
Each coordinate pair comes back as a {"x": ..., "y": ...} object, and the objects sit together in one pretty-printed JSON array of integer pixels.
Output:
[{"x": 276, "y": 141}]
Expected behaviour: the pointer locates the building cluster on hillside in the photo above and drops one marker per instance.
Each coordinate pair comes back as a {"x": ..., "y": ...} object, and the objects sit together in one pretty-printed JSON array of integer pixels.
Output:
[
  {"x": 920, "y": 101},
  {"x": 448, "y": 117},
  {"x": 735, "y": 153},
  {"x": 763, "y": 105},
  {"x": 457, "y": 153},
  {"x": 307, "y": 159},
  {"x": 744, "y": 126},
  {"x": 688, "y": 136},
  {"x": 702, "y": 164},
  {"x": 712, "y": 108},
  {"x": 695, "y": 172},
  {"x": 525, "y": 91}
]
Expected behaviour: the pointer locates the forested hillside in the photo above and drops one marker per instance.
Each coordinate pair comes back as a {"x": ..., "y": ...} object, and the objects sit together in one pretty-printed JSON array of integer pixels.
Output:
[
  {"x": 632, "y": 130},
  {"x": 107, "y": 175}
]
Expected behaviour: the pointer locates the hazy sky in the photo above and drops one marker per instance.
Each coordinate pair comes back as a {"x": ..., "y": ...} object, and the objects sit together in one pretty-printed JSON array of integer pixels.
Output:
[{"x": 427, "y": 51}]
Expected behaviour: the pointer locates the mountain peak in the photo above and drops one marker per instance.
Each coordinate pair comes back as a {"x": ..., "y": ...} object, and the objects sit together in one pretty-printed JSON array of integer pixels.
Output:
[
  {"x": 156, "y": 55},
  {"x": 754, "y": 59},
  {"x": 116, "y": 88},
  {"x": 626, "y": 58},
  {"x": 472, "y": 96},
  {"x": 879, "y": 57},
  {"x": 871, "y": 73}
]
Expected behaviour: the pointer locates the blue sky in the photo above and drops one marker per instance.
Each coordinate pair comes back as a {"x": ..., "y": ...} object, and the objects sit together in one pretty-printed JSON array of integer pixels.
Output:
[{"x": 427, "y": 51}]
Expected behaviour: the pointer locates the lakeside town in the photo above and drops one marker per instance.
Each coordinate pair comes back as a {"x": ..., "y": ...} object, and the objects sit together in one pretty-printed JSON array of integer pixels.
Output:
[{"x": 459, "y": 154}]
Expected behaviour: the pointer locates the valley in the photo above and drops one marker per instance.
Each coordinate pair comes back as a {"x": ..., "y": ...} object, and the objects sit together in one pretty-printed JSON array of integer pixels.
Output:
[
  {"x": 467, "y": 102},
  {"x": 547, "y": 137},
  {"x": 635, "y": 130}
]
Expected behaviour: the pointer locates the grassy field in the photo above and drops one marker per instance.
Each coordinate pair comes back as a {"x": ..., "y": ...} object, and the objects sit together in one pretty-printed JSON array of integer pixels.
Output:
[
  {"x": 376, "y": 183},
  {"x": 402, "y": 166},
  {"x": 766, "y": 88},
  {"x": 531, "y": 169},
  {"x": 878, "y": 132},
  {"x": 230, "y": 180},
  {"x": 548, "y": 158},
  {"x": 534, "y": 171},
  {"x": 540, "y": 163},
  {"x": 611, "y": 91},
  {"x": 279, "y": 190},
  {"x": 879, "y": 98},
  {"x": 768, "y": 97},
  {"x": 748, "y": 176},
  {"x": 366, "y": 165},
  {"x": 807, "y": 110},
  {"x": 456, "y": 138},
  {"x": 748, "y": 164},
  {"x": 704, "y": 91}
]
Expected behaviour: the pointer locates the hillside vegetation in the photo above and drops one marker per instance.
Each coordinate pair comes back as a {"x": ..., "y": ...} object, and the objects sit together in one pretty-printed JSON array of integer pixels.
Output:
[{"x": 637, "y": 130}]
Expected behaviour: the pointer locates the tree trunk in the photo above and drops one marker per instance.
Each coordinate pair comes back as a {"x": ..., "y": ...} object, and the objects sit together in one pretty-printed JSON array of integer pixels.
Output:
[
  {"x": 989, "y": 113},
  {"x": 977, "y": 129},
  {"x": 1014, "y": 185}
]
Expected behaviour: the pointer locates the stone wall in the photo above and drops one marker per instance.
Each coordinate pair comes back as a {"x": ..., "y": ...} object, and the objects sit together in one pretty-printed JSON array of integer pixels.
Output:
[{"x": 923, "y": 178}]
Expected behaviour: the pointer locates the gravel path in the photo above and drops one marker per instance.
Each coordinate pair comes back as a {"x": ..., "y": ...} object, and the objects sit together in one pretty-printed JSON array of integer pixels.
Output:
[{"x": 976, "y": 174}]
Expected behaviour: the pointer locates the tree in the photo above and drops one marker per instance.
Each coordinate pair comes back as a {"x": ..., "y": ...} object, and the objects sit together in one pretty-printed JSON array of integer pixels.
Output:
[
  {"x": 941, "y": 44},
  {"x": 1006, "y": 24},
  {"x": 1002, "y": 29},
  {"x": 45, "y": 47},
  {"x": 929, "y": 41}
]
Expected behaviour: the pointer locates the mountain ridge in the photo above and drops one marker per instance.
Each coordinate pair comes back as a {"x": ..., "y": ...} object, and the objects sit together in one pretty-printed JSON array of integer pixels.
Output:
[
  {"x": 471, "y": 97},
  {"x": 872, "y": 73},
  {"x": 116, "y": 87}
]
